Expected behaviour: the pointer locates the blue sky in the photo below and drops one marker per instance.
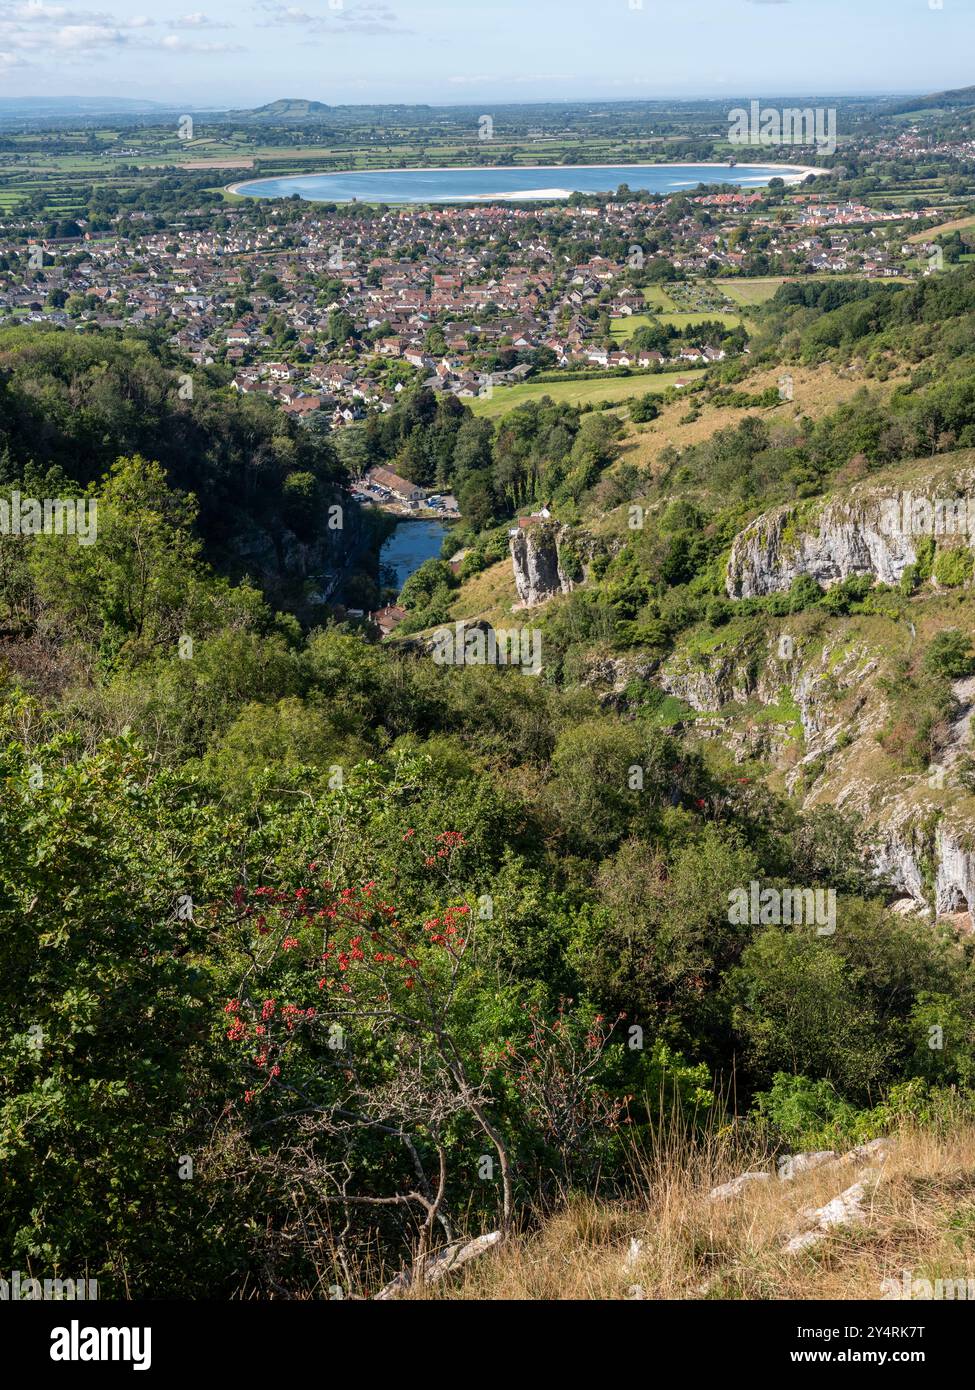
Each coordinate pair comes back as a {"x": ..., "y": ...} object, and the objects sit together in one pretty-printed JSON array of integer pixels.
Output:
[{"x": 245, "y": 52}]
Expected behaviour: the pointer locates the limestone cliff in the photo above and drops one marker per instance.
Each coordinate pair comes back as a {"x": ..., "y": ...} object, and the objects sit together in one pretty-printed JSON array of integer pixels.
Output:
[
  {"x": 295, "y": 571},
  {"x": 545, "y": 562},
  {"x": 846, "y": 536},
  {"x": 868, "y": 529},
  {"x": 813, "y": 711}
]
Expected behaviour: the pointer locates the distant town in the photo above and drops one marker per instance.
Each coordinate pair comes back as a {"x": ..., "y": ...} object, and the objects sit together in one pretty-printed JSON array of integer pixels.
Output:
[{"x": 332, "y": 314}]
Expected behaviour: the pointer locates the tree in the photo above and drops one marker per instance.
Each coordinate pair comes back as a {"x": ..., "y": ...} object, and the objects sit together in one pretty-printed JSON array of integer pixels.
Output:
[
  {"x": 345, "y": 1022},
  {"x": 797, "y": 1011},
  {"x": 644, "y": 408},
  {"x": 340, "y": 326},
  {"x": 950, "y": 655},
  {"x": 131, "y": 588},
  {"x": 103, "y": 1043},
  {"x": 432, "y": 577}
]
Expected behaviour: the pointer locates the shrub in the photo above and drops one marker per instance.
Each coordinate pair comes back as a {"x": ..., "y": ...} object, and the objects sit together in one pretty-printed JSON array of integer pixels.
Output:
[
  {"x": 952, "y": 568},
  {"x": 644, "y": 408},
  {"x": 950, "y": 654}
]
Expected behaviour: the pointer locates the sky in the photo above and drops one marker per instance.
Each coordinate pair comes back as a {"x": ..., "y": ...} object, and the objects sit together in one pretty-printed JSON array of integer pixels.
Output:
[{"x": 242, "y": 53}]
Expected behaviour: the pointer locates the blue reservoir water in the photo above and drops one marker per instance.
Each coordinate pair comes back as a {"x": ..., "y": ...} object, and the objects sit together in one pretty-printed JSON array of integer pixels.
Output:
[
  {"x": 492, "y": 185},
  {"x": 406, "y": 549}
]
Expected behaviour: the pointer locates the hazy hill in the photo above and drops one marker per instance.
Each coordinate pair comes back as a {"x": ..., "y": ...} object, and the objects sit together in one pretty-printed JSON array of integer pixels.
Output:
[
  {"x": 937, "y": 101},
  {"x": 285, "y": 109}
]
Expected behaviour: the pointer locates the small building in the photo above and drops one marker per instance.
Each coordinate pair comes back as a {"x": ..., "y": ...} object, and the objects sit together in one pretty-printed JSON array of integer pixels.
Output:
[
  {"x": 388, "y": 619},
  {"x": 392, "y": 482},
  {"x": 525, "y": 521}
]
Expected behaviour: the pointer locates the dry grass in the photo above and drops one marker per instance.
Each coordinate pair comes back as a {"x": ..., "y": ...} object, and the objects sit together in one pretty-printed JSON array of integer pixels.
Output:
[
  {"x": 489, "y": 595},
  {"x": 920, "y": 1216},
  {"x": 817, "y": 392},
  {"x": 960, "y": 224}
]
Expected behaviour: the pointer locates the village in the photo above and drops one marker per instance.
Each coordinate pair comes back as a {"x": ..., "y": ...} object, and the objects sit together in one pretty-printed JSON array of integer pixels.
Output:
[
  {"x": 331, "y": 313},
  {"x": 382, "y": 488}
]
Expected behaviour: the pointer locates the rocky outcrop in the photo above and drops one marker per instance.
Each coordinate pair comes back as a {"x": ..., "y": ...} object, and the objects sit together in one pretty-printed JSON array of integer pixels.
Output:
[
  {"x": 954, "y": 884},
  {"x": 815, "y": 713},
  {"x": 547, "y": 561},
  {"x": 934, "y": 869},
  {"x": 792, "y": 1166},
  {"x": 815, "y": 1223},
  {"x": 610, "y": 675},
  {"x": 848, "y": 1208},
  {"x": 439, "y": 1266},
  {"x": 772, "y": 673},
  {"x": 844, "y": 537},
  {"x": 296, "y": 572},
  {"x": 726, "y": 678},
  {"x": 844, "y": 1210},
  {"x": 900, "y": 853}
]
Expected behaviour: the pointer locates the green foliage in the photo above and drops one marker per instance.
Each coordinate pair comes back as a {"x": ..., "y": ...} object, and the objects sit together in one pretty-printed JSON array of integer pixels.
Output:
[
  {"x": 952, "y": 568},
  {"x": 804, "y": 1114},
  {"x": 433, "y": 576},
  {"x": 77, "y": 403},
  {"x": 949, "y": 655},
  {"x": 589, "y": 849},
  {"x": 105, "y": 1017},
  {"x": 644, "y": 409}
]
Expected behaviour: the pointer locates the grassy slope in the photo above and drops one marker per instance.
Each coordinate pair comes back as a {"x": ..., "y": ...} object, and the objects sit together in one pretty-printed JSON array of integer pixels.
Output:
[
  {"x": 920, "y": 1216},
  {"x": 505, "y": 398},
  {"x": 816, "y": 392},
  {"x": 946, "y": 228}
]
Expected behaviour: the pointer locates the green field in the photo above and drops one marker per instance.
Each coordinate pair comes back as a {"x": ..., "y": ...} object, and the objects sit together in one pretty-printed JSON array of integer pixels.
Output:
[
  {"x": 505, "y": 398},
  {"x": 623, "y": 329},
  {"x": 750, "y": 293},
  {"x": 670, "y": 306},
  {"x": 659, "y": 300}
]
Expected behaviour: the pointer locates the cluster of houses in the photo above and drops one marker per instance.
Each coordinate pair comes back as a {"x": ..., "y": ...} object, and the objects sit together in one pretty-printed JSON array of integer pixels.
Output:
[
  {"x": 383, "y": 486},
  {"x": 912, "y": 144},
  {"x": 463, "y": 299}
]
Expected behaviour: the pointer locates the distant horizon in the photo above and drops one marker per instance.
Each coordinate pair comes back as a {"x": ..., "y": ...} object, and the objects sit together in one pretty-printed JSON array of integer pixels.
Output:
[
  {"x": 167, "y": 104},
  {"x": 436, "y": 52}
]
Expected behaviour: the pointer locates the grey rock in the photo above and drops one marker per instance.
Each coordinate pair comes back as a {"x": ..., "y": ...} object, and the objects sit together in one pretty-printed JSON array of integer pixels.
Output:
[
  {"x": 442, "y": 1264},
  {"x": 844, "y": 1210},
  {"x": 794, "y": 1165},
  {"x": 736, "y": 1186},
  {"x": 535, "y": 558},
  {"x": 847, "y": 537}
]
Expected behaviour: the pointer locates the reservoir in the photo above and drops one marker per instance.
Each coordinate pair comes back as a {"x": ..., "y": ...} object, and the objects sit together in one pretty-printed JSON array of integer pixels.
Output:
[
  {"x": 538, "y": 184},
  {"x": 406, "y": 549}
]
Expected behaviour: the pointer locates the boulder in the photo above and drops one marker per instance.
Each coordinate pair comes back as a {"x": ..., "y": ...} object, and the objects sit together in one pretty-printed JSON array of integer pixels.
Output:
[{"x": 438, "y": 1266}]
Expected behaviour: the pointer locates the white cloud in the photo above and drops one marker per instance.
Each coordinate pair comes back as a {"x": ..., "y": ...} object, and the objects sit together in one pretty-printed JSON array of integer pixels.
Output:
[
  {"x": 86, "y": 36},
  {"x": 38, "y": 25},
  {"x": 174, "y": 43},
  {"x": 39, "y": 11},
  {"x": 197, "y": 20},
  {"x": 350, "y": 17}
]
